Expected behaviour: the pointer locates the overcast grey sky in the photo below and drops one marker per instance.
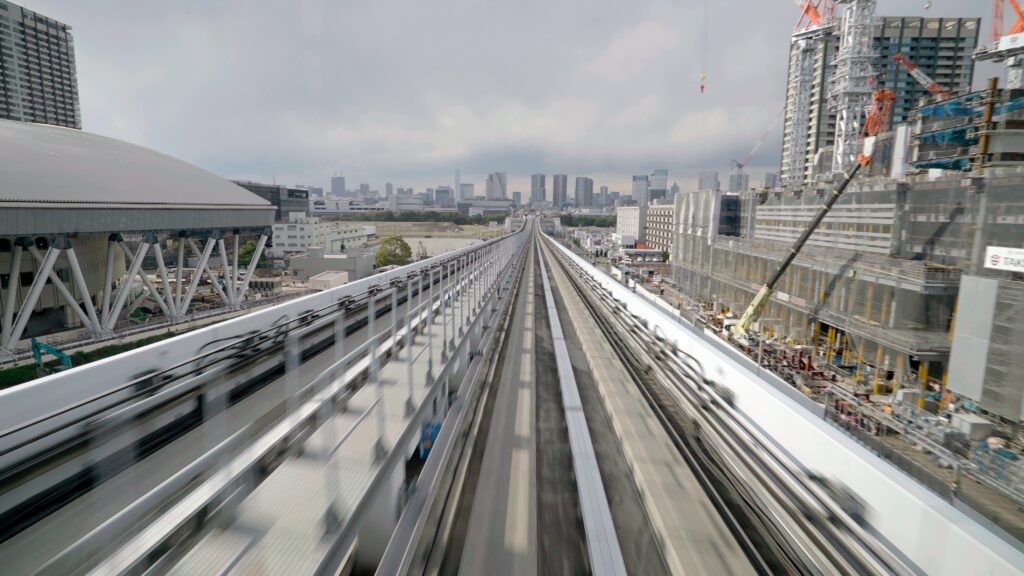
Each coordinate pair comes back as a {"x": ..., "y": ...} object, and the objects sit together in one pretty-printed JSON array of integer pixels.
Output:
[{"x": 408, "y": 91}]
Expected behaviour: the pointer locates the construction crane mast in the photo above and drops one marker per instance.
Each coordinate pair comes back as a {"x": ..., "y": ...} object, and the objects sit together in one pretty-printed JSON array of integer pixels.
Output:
[
  {"x": 877, "y": 121},
  {"x": 923, "y": 79},
  {"x": 850, "y": 88},
  {"x": 814, "y": 25}
]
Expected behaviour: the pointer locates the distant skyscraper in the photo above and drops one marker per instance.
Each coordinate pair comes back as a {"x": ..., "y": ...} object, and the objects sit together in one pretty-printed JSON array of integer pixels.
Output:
[
  {"x": 444, "y": 197},
  {"x": 429, "y": 196},
  {"x": 497, "y": 186},
  {"x": 658, "y": 184},
  {"x": 584, "y": 196},
  {"x": 559, "y": 190},
  {"x": 389, "y": 190},
  {"x": 602, "y": 199},
  {"x": 708, "y": 181},
  {"x": 458, "y": 183},
  {"x": 364, "y": 189},
  {"x": 466, "y": 191},
  {"x": 38, "y": 81},
  {"x": 338, "y": 185},
  {"x": 538, "y": 190},
  {"x": 517, "y": 198},
  {"x": 641, "y": 187},
  {"x": 739, "y": 182},
  {"x": 771, "y": 180},
  {"x": 673, "y": 190}
]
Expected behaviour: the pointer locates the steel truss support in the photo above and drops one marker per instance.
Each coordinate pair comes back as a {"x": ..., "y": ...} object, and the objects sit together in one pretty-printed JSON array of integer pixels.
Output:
[
  {"x": 13, "y": 283},
  {"x": 252, "y": 265},
  {"x": 204, "y": 256},
  {"x": 168, "y": 296},
  {"x": 11, "y": 339},
  {"x": 83, "y": 289},
  {"x": 108, "y": 278},
  {"x": 62, "y": 289},
  {"x": 178, "y": 268},
  {"x": 126, "y": 286},
  {"x": 205, "y": 265},
  {"x": 143, "y": 248}
]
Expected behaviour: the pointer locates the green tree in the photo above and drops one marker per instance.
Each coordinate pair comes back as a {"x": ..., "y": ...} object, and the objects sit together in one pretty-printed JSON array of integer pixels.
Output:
[
  {"x": 664, "y": 255},
  {"x": 393, "y": 250},
  {"x": 245, "y": 253}
]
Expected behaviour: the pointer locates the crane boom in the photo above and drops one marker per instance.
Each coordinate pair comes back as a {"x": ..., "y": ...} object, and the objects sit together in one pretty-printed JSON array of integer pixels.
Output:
[
  {"x": 876, "y": 122},
  {"x": 923, "y": 79}
]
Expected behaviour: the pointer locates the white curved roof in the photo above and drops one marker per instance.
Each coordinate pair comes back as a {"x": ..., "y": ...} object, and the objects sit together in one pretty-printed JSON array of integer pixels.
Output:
[{"x": 50, "y": 164}]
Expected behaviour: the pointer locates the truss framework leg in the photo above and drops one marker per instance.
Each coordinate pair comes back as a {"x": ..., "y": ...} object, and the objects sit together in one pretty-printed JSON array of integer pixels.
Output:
[
  {"x": 108, "y": 283},
  {"x": 252, "y": 266},
  {"x": 203, "y": 255},
  {"x": 209, "y": 271},
  {"x": 62, "y": 289},
  {"x": 143, "y": 248},
  {"x": 83, "y": 288},
  {"x": 169, "y": 309},
  {"x": 13, "y": 283},
  {"x": 122, "y": 292},
  {"x": 31, "y": 298}
]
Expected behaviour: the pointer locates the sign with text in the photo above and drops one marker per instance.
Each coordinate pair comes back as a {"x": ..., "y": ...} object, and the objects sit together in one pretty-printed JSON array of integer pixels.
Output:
[{"x": 1001, "y": 258}]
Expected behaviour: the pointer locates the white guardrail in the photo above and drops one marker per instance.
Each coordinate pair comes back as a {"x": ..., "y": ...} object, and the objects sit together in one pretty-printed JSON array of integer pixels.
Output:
[
  {"x": 41, "y": 398},
  {"x": 928, "y": 531}
]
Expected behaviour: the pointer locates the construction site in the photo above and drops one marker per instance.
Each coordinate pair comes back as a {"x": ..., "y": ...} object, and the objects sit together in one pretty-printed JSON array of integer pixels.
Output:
[{"x": 884, "y": 276}]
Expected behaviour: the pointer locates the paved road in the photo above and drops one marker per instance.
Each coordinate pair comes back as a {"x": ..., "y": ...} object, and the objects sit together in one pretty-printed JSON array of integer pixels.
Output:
[{"x": 501, "y": 537}]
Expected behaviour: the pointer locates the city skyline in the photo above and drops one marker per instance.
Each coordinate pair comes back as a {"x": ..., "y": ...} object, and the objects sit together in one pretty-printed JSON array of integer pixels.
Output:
[{"x": 620, "y": 95}]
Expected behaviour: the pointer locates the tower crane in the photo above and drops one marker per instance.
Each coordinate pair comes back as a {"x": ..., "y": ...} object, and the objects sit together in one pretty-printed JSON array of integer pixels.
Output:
[
  {"x": 923, "y": 79},
  {"x": 877, "y": 121},
  {"x": 1008, "y": 46}
]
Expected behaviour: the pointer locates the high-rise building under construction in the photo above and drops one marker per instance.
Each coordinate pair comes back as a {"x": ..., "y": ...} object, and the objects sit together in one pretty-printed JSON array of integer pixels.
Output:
[{"x": 939, "y": 47}]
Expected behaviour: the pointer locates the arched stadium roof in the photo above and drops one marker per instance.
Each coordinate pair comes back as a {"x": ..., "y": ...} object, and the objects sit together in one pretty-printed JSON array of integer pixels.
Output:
[{"x": 61, "y": 180}]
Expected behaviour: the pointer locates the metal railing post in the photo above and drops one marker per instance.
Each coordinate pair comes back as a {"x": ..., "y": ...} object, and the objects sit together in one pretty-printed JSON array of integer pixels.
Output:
[
  {"x": 444, "y": 319},
  {"x": 408, "y": 346},
  {"x": 378, "y": 449},
  {"x": 430, "y": 329}
]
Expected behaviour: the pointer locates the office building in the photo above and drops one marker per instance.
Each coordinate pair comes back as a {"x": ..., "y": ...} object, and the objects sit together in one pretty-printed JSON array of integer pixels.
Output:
[
  {"x": 602, "y": 197},
  {"x": 658, "y": 185},
  {"x": 673, "y": 191},
  {"x": 389, "y": 190},
  {"x": 338, "y": 186},
  {"x": 38, "y": 81},
  {"x": 285, "y": 198},
  {"x": 497, "y": 186},
  {"x": 629, "y": 222},
  {"x": 457, "y": 189},
  {"x": 708, "y": 181},
  {"x": 584, "y": 196},
  {"x": 538, "y": 191},
  {"x": 771, "y": 180},
  {"x": 739, "y": 182},
  {"x": 559, "y": 190},
  {"x": 466, "y": 191},
  {"x": 517, "y": 198},
  {"x": 300, "y": 232},
  {"x": 444, "y": 197},
  {"x": 658, "y": 226},
  {"x": 939, "y": 47},
  {"x": 641, "y": 187}
]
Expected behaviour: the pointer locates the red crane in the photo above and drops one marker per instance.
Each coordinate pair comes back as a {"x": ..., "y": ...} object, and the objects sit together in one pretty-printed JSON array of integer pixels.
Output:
[
  {"x": 923, "y": 79},
  {"x": 997, "y": 20},
  {"x": 815, "y": 13}
]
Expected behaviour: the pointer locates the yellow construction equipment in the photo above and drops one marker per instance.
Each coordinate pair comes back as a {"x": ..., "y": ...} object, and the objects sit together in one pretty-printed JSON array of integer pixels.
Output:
[{"x": 876, "y": 122}]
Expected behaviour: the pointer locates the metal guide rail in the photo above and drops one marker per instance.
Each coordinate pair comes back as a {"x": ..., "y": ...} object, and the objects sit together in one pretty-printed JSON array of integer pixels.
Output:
[
  {"x": 793, "y": 523},
  {"x": 602, "y": 542}
]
